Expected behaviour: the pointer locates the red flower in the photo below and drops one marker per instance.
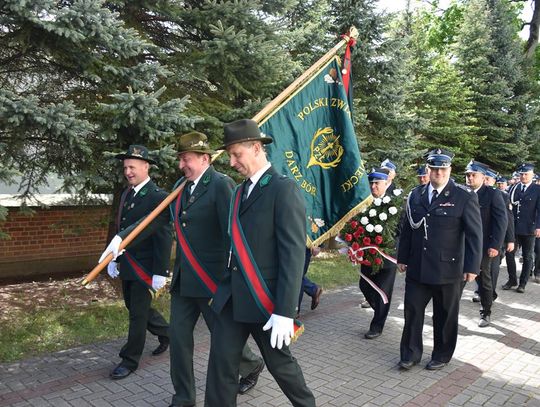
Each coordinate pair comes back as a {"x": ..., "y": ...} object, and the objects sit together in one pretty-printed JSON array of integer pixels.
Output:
[
  {"x": 360, "y": 229},
  {"x": 354, "y": 224},
  {"x": 348, "y": 237},
  {"x": 366, "y": 241},
  {"x": 360, "y": 253},
  {"x": 372, "y": 251},
  {"x": 355, "y": 246},
  {"x": 366, "y": 262},
  {"x": 357, "y": 234},
  {"x": 378, "y": 239},
  {"x": 378, "y": 261}
]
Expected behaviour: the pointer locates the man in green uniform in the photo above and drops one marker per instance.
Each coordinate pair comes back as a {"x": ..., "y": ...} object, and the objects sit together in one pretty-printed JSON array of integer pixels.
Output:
[
  {"x": 144, "y": 265},
  {"x": 200, "y": 216},
  {"x": 260, "y": 290}
]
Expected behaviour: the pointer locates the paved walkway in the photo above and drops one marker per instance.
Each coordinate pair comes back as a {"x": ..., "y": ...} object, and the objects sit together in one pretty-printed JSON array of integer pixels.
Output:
[{"x": 498, "y": 365}]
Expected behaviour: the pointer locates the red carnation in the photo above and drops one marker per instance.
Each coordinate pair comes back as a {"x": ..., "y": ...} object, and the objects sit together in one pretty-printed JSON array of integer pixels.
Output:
[
  {"x": 366, "y": 241},
  {"x": 378, "y": 239},
  {"x": 354, "y": 224},
  {"x": 372, "y": 251},
  {"x": 378, "y": 261},
  {"x": 360, "y": 253},
  {"x": 348, "y": 237},
  {"x": 360, "y": 229},
  {"x": 357, "y": 234},
  {"x": 366, "y": 262},
  {"x": 355, "y": 246}
]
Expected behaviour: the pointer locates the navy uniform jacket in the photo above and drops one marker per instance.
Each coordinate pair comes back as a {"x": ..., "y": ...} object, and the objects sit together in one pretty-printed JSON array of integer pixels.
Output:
[
  {"x": 494, "y": 217},
  {"x": 273, "y": 219},
  {"x": 454, "y": 235},
  {"x": 204, "y": 219},
  {"x": 526, "y": 208},
  {"x": 509, "y": 237},
  {"x": 152, "y": 247}
]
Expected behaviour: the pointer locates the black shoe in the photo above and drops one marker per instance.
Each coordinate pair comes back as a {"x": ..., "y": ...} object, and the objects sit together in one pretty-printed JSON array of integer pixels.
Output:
[
  {"x": 508, "y": 286},
  {"x": 476, "y": 298},
  {"x": 249, "y": 382},
  {"x": 120, "y": 372},
  {"x": 520, "y": 289},
  {"x": 406, "y": 364},
  {"x": 162, "y": 347},
  {"x": 435, "y": 365},
  {"x": 182, "y": 405},
  {"x": 372, "y": 334},
  {"x": 316, "y": 298}
]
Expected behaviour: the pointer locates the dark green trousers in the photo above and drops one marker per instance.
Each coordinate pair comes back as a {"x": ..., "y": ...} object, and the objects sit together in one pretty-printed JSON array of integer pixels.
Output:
[
  {"x": 228, "y": 339},
  {"x": 142, "y": 316},
  {"x": 185, "y": 312}
]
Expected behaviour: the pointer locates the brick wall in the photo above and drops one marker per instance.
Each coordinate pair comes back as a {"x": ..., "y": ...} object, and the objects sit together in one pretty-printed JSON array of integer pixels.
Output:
[{"x": 55, "y": 240}]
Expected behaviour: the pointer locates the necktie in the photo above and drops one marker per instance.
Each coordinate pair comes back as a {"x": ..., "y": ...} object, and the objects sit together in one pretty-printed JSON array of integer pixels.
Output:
[
  {"x": 523, "y": 188},
  {"x": 188, "y": 186},
  {"x": 434, "y": 195},
  {"x": 245, "y": 192},
  {"x": 130, "y": 194}
]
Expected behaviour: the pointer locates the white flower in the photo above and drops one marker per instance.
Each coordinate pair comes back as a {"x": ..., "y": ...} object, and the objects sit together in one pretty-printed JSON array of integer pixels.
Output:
[
  {"x": 319, "y": 222},
  {"x": 364, "y": 220},
  {"x": 370, "y": 228},
  {"x": 386, "y": 199},
  {"x": 377, "y": 201},
  {"x": 372, "y": 213},
  {"x": 392, "y": 210},
  {"x": 378, "y": 228},
  {"x": 397, "y": 192},
  {"x": 383, "y": 216}
]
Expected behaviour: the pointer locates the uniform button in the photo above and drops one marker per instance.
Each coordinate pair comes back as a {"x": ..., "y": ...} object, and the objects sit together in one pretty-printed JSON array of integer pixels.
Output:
[
  {"x": 425, "y": 248},
  {"x": 428, "y": 214},
  {"x": 124, "y": 218},
  {"x": 183, "y": 212},
  {"x": 235, "y": 268},
  {"x": 184, "y": 224},
  {"x": 453, "y": 259}
]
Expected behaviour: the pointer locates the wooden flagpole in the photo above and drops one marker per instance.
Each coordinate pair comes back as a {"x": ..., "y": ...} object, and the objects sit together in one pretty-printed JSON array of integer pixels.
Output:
[{"x": 353, "y": 33}]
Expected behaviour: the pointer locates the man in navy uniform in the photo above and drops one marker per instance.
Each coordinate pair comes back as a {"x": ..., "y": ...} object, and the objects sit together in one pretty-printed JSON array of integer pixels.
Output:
[
  {"x": 440, "y": 246},
  {"x": 509, "y": 237},
  {"x": 144, "y": 264},
  {"x": 525, "y": 200},
  {"x": 391, "y": 168},
  {"x": 259, "y": 293},
  {"x": 384, "y": 278},
  {"x": 200, "y": 216},
  {"x": 422, "y": 175},
  {"x": 502, "y": 183},
  {"x": 494, "y": 222}
]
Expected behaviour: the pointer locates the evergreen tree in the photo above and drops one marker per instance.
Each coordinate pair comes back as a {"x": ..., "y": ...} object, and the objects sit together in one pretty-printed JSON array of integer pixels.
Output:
[
  {"x": 438, "y": 99},
  {"x": 490, "y": 64},
  {"x": 382, "y": 124}
]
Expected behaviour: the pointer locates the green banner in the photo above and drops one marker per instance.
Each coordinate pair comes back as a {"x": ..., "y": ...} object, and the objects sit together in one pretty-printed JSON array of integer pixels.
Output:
[{"x": 314, "y": 144}]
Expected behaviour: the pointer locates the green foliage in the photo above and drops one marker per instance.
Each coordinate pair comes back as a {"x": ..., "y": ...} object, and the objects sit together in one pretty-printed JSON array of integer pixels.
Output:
[{"x": 490, "y": 61}]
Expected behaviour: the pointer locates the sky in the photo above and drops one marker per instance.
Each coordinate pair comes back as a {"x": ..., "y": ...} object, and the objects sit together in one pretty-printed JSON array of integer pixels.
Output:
[{"x": 396, "y": 5}]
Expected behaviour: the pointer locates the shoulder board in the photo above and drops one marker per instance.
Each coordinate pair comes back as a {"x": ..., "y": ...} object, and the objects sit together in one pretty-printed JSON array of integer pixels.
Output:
[{"x": 465, "y": 188}]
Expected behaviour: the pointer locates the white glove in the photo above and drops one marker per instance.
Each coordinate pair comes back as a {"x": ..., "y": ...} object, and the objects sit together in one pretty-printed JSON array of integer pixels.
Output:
[
  {"x": 113, "y": 248},
  {"x": 158, "y": 282},
  {"x": 112, "y": 269},
  {"x": 282, "y": 330}
]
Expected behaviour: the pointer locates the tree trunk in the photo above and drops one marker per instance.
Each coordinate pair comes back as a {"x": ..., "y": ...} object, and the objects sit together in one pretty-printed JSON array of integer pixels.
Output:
[{"x": 534, "y": 28}]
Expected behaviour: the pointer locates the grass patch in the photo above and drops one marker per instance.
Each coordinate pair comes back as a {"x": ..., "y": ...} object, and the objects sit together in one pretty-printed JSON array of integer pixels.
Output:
[
  {"x": 63, "y": 325},
  {"x": 50, "y": 330},
  {"x": 330, "y": 270}
]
